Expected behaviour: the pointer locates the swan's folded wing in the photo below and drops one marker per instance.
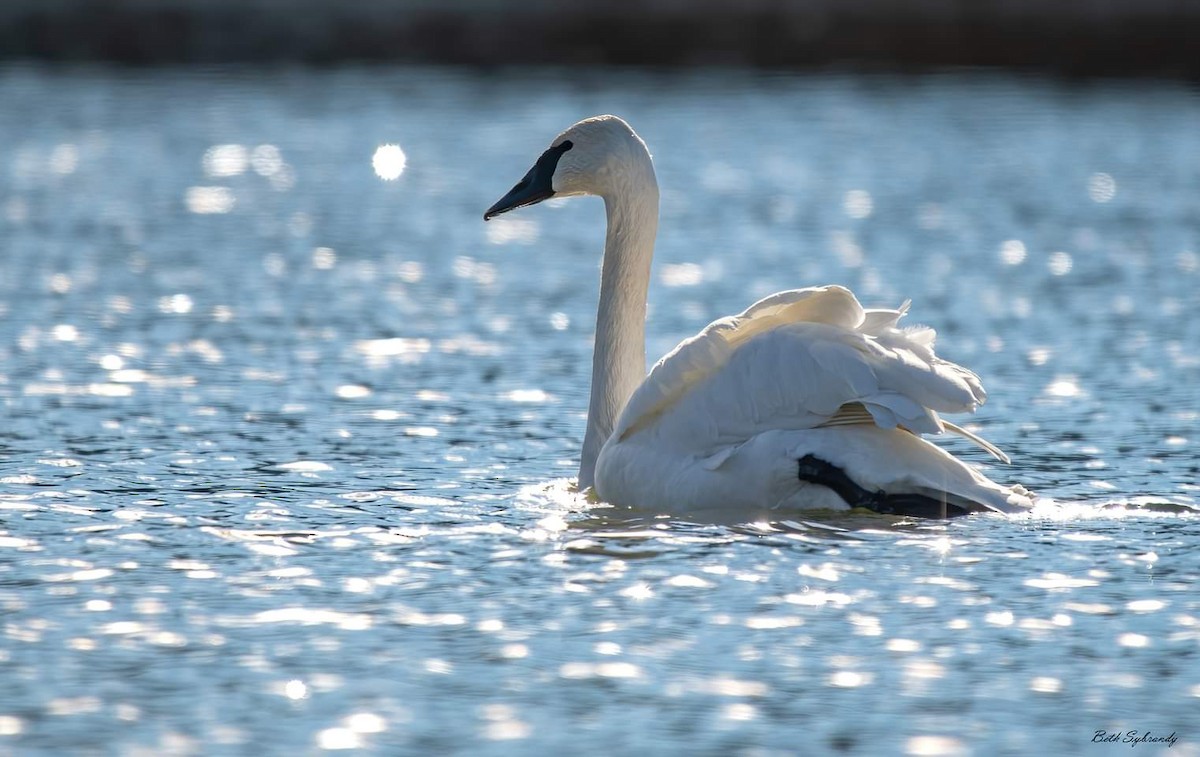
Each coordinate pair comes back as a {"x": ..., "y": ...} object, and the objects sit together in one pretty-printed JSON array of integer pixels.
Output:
[
  {"x": 793, "y": 361},
  {"x": 703, "y": 355}
]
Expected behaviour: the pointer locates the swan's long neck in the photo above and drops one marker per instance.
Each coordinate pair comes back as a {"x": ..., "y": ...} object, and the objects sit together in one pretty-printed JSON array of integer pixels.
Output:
[{"x": 619, "y": 358}]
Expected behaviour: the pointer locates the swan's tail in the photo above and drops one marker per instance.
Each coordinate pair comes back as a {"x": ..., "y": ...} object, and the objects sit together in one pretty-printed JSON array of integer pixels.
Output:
[
  {"x": 995, "y": 451},
  {"x": 889, "y": 462},
  {"x": 855, "y": 414}
]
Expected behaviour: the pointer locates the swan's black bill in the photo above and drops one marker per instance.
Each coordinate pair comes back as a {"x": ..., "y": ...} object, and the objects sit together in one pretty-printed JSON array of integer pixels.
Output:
[{"x": 535, "y": 187}]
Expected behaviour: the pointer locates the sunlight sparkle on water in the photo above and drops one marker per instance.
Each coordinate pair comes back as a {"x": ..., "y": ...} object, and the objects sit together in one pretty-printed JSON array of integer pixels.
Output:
[
  {"x": 64, "y": 159},
  {"x": 1060, "y": 263},
  {"x": 266, "y": 160},
  {"x": 389, "y": 162},
  {"x": 305, "y": 466},
  {"x": 502, "y": 723},
  {"x": 849, "y": 679},
  {"x": 324, "y": 258},
  {"x": 681, "y": 274},
  {"x": 578, "y": 670},
  {"x": 226, "y": 160},
  {"x": 352, "y": 391},
  {"x": 177, "y": 303},
  {"x": 338, "y": 738},
  {"x": 739, "y": 711},
  {"x": 638, "y": 592},
  {"x": 1064, "y": 387},
  {"x": 295, "y": 689},
  {"x": 366, "y": 722},
  {"x": 1102, "y": 187},
  {"x": 935, "y": 746},
  {"x": 1012, "y": 252},
  {"x": 512, "y": 231},
  {"x": 209, "y": 200},
  {"x": 858, "y": 203},
  {"x": 324, "y": 436},
  {"x": 399, "y": 346},
  {"x": 1045, "y": 685},
  {"x": 528, "y": 395}
]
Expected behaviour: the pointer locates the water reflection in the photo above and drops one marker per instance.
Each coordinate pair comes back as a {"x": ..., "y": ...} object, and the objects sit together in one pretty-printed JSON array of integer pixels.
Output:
[{"x": 283, "y": 454}]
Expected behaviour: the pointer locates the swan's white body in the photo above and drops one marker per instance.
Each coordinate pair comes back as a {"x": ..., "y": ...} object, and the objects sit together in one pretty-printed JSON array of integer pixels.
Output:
[{"x": 720, "y": 423}]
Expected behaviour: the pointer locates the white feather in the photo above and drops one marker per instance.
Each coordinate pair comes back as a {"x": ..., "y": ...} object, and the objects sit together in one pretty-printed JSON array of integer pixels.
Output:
[{"x": 720, "y": 422}]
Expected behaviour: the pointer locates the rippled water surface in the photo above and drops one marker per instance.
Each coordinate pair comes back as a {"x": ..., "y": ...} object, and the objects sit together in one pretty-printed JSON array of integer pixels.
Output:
[{"x": 282, "y": 443}]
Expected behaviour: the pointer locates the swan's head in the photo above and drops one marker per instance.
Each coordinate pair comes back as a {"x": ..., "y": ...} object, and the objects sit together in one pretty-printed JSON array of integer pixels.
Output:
[{"x": 594, "y": 157}]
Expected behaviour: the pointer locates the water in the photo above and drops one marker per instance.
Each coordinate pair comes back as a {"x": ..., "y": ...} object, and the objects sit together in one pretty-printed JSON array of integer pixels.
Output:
[{"x": 283, "y": 443}]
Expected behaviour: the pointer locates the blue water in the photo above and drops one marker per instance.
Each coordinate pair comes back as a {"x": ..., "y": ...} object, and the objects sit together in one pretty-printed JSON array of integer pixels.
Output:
[{"x": 283, "y": 443}]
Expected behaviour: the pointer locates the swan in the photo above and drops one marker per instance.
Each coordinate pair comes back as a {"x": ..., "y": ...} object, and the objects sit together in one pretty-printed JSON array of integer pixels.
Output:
[{"x": 805, "y": 400}]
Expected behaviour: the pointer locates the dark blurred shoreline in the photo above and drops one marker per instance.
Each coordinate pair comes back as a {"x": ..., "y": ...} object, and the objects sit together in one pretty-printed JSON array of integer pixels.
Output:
[{"x": 1070, "y": 37}]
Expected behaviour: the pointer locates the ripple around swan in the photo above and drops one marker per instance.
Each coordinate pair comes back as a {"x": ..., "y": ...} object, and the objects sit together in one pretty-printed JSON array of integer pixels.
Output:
[{"x": 286, "y": 445}]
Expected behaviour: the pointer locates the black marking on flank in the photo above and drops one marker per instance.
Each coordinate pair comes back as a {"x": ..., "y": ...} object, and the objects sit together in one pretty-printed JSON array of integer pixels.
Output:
[{"x": 814, "y": 470}]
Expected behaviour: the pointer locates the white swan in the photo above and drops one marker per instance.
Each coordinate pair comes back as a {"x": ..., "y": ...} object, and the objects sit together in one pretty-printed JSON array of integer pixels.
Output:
[{"x": 805, "y": 400}]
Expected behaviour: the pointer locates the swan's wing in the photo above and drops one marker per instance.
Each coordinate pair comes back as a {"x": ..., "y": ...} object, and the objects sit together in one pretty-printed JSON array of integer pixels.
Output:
[
  {"x": 695, "y": 359},
  {"x": 795, "y": 360}
]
